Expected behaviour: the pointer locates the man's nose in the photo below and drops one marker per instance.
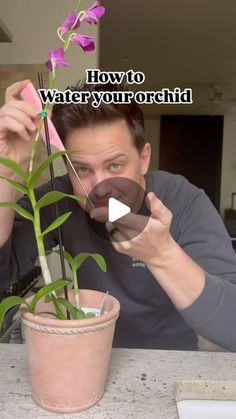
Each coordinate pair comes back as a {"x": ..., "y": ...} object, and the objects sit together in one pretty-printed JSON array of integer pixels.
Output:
[{"x": 101, "y": 187}]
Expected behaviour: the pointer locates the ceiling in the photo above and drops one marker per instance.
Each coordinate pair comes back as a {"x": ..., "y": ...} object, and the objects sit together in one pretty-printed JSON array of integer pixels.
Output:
[{"x": 176, "y": 44}]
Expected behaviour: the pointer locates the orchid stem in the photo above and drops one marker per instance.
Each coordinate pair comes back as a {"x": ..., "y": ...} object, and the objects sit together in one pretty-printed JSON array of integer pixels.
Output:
[
  {"x": 36, "y": 222},
  {"x": 37, "y": 229},
  {"x": 39, "y": 240},
  {"x": 59, "y": 34},
  {"x": 76, "y": 288},
  {"x": 66, "y": 41},
  {"x": 35, "y": 143},
  {"x": 78, "y": 5}
]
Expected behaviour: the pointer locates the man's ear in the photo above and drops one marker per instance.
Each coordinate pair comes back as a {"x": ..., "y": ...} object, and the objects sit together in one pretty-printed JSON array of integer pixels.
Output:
[{"x": 145, "y": 157}]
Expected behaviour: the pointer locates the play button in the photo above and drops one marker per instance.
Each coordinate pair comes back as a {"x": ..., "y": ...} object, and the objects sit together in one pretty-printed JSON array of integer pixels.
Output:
[
  {"x": 116, "y": 210},
  {"x": 113, "y": 201}
]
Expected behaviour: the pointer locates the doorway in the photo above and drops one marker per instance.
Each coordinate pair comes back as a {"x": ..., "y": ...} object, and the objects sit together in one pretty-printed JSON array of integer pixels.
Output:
[{"x": 192, "y": 146}]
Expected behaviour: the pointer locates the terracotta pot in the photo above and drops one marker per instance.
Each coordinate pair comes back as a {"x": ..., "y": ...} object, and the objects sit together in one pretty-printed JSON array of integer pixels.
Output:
[{"x": 68, "y": 359}]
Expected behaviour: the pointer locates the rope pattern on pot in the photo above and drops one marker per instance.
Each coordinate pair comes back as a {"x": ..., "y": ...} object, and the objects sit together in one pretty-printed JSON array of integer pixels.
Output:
[
  {"x": 68, "y": 331},
  {"x": 81, "y": 406}
]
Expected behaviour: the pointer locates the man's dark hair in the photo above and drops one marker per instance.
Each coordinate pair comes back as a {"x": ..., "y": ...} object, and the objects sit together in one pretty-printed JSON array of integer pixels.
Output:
[{"x": 67, "y": 117}]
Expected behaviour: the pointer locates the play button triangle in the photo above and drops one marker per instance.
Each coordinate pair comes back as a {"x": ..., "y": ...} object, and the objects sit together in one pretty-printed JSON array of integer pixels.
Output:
[{"x": 116, "y": 209}]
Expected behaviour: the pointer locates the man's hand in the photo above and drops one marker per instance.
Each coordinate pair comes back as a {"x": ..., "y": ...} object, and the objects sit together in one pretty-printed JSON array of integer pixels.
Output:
[
  {"x": 180, "y": 277},
  {"x": 18, "y": 122},
  {"x": 147, "y": 241}
]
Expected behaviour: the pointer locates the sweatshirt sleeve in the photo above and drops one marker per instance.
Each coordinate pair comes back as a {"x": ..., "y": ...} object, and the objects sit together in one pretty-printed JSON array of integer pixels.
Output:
[
  {"x": 203, "y": 236},
  {"x": 213, "y": 314}
]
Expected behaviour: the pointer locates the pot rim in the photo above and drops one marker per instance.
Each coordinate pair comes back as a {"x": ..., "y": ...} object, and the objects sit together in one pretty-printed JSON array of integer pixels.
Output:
[{"x": 71, "y": 323}]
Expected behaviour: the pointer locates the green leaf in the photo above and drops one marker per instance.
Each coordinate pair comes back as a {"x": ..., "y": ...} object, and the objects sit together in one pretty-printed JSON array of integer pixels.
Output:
[
  {"x": 48, "y": 298},
  {"x": 18, "y": 209},
  {"x": 46, "y": 290},
  {"x": 8, "y": 303},
  {"x": 59, "y": 313},
  {"x": 10, "y": 164},
  {"x": 90, "y": 315},
  {"x": 55, "y": 196},
  {"x": 16, "y": 185},
  {"x": 81, "y": 257},
  {"x": 74, "y": 312},
  {"x": 66, "y": 255},
  {"x": 80, "y": 315},
  {"x": 59, "y": 221},
  {"x": 58, "y": 291},
  {"x": 42, "y": 166}
]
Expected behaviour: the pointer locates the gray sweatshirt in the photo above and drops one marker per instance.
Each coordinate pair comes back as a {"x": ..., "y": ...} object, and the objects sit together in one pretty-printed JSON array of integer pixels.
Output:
[{"x": 148, "y": 318}]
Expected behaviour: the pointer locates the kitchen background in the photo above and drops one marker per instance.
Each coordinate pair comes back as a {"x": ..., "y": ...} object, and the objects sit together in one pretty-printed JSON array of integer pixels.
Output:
[{"x": 176, "y": 44}]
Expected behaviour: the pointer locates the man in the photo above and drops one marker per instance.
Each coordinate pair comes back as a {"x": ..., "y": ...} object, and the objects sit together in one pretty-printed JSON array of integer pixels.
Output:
[{"x": 185, "y": 281}]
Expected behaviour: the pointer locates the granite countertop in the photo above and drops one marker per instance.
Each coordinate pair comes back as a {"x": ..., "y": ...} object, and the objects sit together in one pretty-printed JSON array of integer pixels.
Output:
[{"x": 142, "y": 383}]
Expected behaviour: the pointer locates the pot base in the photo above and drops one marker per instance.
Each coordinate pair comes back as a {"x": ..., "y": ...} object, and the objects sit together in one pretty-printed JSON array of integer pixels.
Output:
[{"x": 63, "y": 408}]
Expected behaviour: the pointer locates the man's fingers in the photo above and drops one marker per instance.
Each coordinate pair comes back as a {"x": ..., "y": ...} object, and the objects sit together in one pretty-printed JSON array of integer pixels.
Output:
[
  {"x": 129, "y": 225},
  {"x": 22, "y": 106},
  {"x": 120, "y": 234},
  {"x": 158, "y": 210},
  {"x": 10, "y": 124},
  {"x": 13, "y": 91},
  {"x": 133, "y": 221},
  {"x": 99, "y": 214},
  {"x": 20, "y": 116}
]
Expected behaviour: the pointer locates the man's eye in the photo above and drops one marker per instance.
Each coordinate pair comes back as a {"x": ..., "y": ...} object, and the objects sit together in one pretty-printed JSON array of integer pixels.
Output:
[
  {"x": 115, "y": 166},
  {"x": 82, "y": 170}
]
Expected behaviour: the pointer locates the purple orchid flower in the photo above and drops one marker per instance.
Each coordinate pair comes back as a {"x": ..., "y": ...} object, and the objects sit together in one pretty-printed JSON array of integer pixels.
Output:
[
  {"x": 93, "y": 14},
  {"x": 68, "y": 23},
  {"x": 56, "y": 59},
  {"x": 84, "y": 41}
]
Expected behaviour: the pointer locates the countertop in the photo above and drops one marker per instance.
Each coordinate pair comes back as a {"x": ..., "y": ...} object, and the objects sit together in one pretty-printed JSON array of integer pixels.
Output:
[{"x": 142, "y": 383}]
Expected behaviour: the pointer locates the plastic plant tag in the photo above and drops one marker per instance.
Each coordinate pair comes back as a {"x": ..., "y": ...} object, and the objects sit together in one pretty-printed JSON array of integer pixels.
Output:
[
  {"x": 96, "y": 311},
  {"x": 103, "y": 305},
  {"x": 30, "y": 95}
]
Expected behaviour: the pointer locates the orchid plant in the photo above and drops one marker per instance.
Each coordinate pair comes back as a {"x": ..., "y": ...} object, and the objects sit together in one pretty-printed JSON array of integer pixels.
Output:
[{"x": 68, "y": 33}]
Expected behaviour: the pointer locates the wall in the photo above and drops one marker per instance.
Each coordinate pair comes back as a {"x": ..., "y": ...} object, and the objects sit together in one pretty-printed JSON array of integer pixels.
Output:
[
  {"x": 33, "y": 25},
  {"x": 228, "y": 175},
  {"x": 228, "y": 179}
]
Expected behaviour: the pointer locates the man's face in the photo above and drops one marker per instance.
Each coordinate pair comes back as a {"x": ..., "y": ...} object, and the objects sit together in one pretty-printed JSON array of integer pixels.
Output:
[{"x": 106, "y": 153}]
